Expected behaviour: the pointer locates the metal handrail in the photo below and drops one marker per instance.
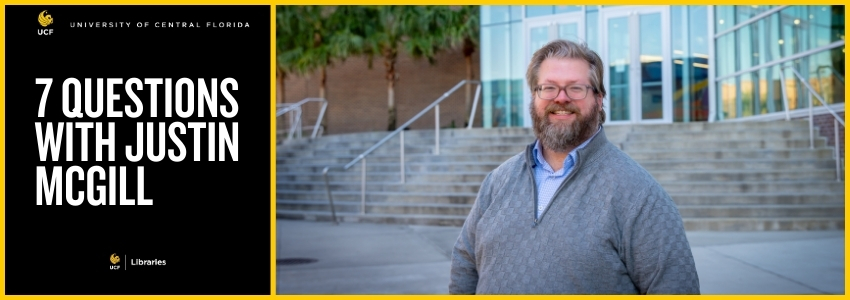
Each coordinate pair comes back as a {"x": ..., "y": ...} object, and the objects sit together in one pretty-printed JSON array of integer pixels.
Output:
[
  {"x": 837, "y": 120},
  {"x": 399, "y": 131},
  {"x": 296, "y": 122}
]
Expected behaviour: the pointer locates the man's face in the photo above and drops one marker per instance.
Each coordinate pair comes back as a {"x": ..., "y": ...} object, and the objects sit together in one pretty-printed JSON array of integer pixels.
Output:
[{"x": 563, "y": 123}]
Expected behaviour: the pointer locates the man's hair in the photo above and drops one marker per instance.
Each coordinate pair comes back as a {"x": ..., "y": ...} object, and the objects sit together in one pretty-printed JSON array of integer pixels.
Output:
[{"x": 568, "y": 49}]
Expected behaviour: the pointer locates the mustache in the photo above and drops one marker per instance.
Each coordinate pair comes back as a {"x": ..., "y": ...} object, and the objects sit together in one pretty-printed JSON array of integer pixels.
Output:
[{"x": 565, "y": 107}]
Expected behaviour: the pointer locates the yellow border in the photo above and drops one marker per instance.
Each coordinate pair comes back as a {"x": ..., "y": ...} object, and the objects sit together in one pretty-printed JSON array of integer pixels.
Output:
[
  {"x": 273, "y": 155},
  {"x": 411, "y": 2},
  {"x": 274, "y": 142},
  {"x": 3, "y": 151}
]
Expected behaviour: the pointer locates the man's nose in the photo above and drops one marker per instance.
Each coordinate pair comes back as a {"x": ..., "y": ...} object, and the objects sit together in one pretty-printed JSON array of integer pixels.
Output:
[{"x": 562, "y": 97}]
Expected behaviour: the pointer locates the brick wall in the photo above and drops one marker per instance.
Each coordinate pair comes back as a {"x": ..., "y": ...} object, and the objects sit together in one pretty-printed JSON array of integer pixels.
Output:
[{"x": 357, "y": 95}]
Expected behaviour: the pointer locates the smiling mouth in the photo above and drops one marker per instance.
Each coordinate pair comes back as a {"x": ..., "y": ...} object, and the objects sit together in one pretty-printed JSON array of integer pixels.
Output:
[{"x": 561, "y": 112}]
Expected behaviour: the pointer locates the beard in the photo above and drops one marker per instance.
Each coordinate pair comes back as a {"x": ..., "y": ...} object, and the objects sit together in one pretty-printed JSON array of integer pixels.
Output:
[{"x": 563, "y": 136}]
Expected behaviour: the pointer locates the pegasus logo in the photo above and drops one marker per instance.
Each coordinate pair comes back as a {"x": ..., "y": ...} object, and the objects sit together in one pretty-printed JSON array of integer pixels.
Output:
[
  {"x": 114, "y": 258},
  {"x": 45, "y": 20}
]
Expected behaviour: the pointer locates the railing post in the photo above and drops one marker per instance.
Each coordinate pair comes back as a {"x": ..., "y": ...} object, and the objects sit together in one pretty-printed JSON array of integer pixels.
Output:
[
  {"x": 330, "y": 198},
  {"x": 837, "y": 151},
  {"x": 437, "y": 129},
  {"x": 363, "y": 188},
  {"x": 319, "y": 119},
  {"x": 401, "y": 162},
  {"x": 474, "y": 107}
]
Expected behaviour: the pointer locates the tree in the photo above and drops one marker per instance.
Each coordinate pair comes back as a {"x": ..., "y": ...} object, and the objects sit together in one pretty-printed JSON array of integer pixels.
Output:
[
  {"x": 312, "y": 38},
  {"x": 464, "y": 32},
  {"x": 418, "y": 30}
]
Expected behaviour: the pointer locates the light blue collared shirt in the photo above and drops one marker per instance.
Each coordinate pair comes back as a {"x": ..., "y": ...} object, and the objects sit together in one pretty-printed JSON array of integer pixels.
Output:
[{"x": 547, "y": 179}]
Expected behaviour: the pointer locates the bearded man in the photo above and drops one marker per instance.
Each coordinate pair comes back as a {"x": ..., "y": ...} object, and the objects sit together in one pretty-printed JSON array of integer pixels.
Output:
[{"x": 572, "y": 214}]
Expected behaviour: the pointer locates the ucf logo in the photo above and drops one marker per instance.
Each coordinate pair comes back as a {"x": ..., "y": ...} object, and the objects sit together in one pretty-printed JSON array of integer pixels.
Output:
[
  {"x": 45, "y": 19},
  {"x": 114, "y": 259}
]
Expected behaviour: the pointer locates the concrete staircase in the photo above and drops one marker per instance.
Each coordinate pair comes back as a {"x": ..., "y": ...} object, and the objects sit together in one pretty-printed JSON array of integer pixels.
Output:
[{"x": 722, "y": 176}]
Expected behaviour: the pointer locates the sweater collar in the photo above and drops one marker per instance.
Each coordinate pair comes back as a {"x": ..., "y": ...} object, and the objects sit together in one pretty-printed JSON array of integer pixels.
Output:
[{"x": 585, "y": 153}]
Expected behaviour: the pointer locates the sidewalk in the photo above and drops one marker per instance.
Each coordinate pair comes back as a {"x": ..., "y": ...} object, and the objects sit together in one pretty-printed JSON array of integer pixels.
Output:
[{"x": 356, "y": 258}]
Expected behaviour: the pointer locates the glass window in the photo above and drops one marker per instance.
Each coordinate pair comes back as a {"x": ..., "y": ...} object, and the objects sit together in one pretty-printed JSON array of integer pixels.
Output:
[
  {"x": 568, "y": 31},
  {"x": 516, "y": 13},
  {"x": 618, "y": 63},
  {"x": 745, "y": 47},
  {"x": 727, "y": 95},
  {"x": 774, "y": 90},
  {"x": 491, "y": 14},
  {"x": 690, "y": 63},
  {"x": 592, "y": 29},
  {"x": 494, "y": 71},
  {"x": 725, "y": 17},
  {"x": 538, "y": 10},
  {"x": 746, "y": 12},
  {"x": 793, "y": 36},
  {"x": 746, "y": 106},
  {"x": 567, "y": 8},
  {"x": 827, "y": 81},
  {"x": 726, "y": 55}
]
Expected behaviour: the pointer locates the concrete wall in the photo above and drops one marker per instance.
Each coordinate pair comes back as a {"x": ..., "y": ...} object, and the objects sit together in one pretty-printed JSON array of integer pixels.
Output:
[{"x": 357, "y": 95}]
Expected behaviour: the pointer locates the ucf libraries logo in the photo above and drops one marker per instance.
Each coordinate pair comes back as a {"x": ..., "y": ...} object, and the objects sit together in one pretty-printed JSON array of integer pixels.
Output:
[
  {"x": 114, "y": 259},
  {"x": 45, "y": 20}
]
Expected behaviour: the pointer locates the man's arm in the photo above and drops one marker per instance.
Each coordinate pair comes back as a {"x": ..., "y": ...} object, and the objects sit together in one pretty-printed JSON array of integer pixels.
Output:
[
  {"x": 657, "y": 253},
  {"x": 464, "y": 273}
]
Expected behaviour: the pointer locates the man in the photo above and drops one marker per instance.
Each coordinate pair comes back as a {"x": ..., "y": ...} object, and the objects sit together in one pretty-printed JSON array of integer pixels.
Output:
[{"x": 572, "y": 214}]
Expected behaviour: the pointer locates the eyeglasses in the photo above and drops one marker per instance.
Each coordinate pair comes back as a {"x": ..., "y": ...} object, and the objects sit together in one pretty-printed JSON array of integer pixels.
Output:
[{"x": 574, "y": 92}]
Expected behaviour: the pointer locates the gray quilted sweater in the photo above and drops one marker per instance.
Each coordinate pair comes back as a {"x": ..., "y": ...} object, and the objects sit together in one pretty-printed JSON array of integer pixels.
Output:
[{"x": 609, "y": 229}]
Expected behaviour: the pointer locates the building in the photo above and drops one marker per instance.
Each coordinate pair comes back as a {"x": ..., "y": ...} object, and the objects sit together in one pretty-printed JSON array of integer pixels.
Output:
[
  {"x": 668, "y": 64},
  {"x": 664, "y": 64}
]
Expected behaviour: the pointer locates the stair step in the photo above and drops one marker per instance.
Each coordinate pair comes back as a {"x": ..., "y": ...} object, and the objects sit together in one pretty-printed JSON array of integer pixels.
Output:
[
  {"x": 401, "y": 197},
  {"x": 703, "y": 154},
  {"x": 741, "y": 175},
  {"x": 727, "y": 135},
  {"x": 762, "y": 211},
  {"x": 754, "y": 187},
  {"x": 433, "y": 220},
  {"x": 763, "y": 224},
  {"x": 377, "y": 207},
  {"x": 755, "y": 198},
  {"x": 373, "y": 186},
  {"x": 724, "y": 145},
  {"x": 722, "y": 176}
]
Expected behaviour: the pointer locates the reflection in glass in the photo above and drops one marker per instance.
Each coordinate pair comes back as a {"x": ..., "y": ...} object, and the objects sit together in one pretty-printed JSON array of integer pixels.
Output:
[
  {"x": 690, "y": 63},
  {"x": 650, "y": 66},
  {"x": 825, "y": 78},
  {"x": 774, "y": 90},
  {"x": 728, "y": 97},
  {"x": 618, "y": 60}
]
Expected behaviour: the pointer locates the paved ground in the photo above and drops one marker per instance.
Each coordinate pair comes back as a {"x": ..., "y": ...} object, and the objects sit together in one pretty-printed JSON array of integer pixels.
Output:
[{"x": 354, "y": 258}]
